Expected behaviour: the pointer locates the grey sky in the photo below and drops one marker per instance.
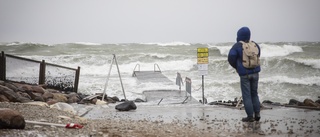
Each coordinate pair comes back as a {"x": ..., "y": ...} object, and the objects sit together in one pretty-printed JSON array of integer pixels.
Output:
[{"x": 124, "y": 21}]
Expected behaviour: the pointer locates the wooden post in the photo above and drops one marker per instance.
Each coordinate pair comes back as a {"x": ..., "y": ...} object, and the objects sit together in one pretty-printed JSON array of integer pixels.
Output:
[
  {"x": 76, "y": 81},
  {"x": 42, "y": 73},
  {"x": 3, "y": 66}
]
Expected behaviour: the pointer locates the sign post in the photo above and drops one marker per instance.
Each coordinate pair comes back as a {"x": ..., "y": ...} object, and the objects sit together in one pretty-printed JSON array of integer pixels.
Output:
[{"x": 203, "y": 54}]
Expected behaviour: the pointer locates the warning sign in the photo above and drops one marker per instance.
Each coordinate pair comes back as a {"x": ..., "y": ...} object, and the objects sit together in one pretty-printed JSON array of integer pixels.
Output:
[{"x": 202, "y": 61}]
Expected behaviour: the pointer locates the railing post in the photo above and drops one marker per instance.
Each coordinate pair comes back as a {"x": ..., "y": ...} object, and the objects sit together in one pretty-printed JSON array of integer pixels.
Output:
[
  {"x": 42, "y": 73},
  {"x": 3, "y": 66},
  {"x": 76, "y": 81}
]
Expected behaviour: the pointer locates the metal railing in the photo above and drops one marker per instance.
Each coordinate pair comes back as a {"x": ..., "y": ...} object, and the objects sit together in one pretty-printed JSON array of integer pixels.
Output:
[{"x": 19, "y": 69}]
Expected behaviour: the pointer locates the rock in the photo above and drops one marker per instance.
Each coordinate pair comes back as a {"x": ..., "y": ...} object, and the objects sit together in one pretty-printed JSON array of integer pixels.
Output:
[
  {"x": 311, "y": 103},
  {"x": 126, "y": 106},
  {"x": 11, "y": 119},
  {"x": 52, "y": 101},
  {"x": 295, "y": 102},
  {"x": 73, "y": 98},
  {"x": 267, "y": 102},
  {"x": 138, "y": 100},
  {"x": 115, "y": 98},
  {"x": 110, "y": 100},
  {"x": 26, "y": 87},
  {"x": 94, "y": 101},
  {"x": 38, "y": 89},
  {"x": 4, "y": 98},
  {"x": 9, "y": 93},
  {"x": 11, "y": 86},
  {"x": 318, "y": 101},
  {"x": 100, "y": 102},
  {"x": 64, "y": 106},
  {"x": 23, "y": 94},
  {"x": 35, "y": 96},
  {"x": 38, "y": 103},
  {"x": 24, "y": 99},
  {"x": 47, "y": 95},
  {"x": 59, "y": 97}
]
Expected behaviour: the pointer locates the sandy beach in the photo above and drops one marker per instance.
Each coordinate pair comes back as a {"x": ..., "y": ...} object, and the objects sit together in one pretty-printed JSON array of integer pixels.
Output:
[{"x": 165, "y": 120}]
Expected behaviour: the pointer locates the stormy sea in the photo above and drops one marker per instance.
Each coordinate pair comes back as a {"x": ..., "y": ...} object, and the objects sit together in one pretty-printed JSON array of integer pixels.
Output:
[{"x": 290, "y": 70}]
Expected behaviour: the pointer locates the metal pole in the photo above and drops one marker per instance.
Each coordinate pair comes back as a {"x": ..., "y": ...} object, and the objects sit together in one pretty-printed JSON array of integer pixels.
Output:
[
  {"x": 202, "y": 89},
  {"x": 119, "y": 76},
  {"x": 105, "y": 86}
]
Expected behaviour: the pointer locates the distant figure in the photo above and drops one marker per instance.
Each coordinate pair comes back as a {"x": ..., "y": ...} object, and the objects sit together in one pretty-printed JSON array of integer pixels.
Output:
[{"x": 244, "y": 57}]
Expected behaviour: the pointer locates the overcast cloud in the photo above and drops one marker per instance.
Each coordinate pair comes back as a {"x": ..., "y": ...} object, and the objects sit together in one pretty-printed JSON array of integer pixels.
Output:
[{"x": 127, "y": 21}]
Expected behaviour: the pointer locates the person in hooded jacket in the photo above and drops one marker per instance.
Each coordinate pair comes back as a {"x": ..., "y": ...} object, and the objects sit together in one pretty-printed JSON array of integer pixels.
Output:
[{"x": 249, "y": 78}]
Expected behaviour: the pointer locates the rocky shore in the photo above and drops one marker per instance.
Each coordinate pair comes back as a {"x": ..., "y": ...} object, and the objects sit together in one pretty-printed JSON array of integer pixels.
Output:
[
  {"x": 106, "y": 127},
  {"x": 39, "y": 104}
]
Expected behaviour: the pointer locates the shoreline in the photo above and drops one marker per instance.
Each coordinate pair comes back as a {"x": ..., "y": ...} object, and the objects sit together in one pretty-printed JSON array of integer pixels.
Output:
[{"x": 166, "y": 120}]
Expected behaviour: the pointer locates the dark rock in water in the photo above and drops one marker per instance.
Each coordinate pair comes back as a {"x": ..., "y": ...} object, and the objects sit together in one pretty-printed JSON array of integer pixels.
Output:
[
  {"x": 11, "y": 119},
  {"x": 318, "y": 101},
  {"x": 115, "y": 98},
  {"x": 311, "y": 103},
  {"x": 110, "y": 100},
  {"x": 213, "y": 103},
  {"x": 126, "y": 106},
  {"x": 295, "y": 102},
  {"x": 123, "y": 100},
  {"x": 139, "y": 100},
  {"x": 267, "y": 102}
]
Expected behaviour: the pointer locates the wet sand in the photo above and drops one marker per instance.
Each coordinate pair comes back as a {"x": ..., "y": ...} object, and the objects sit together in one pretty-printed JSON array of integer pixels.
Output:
[{"x": 167, "y": 120}]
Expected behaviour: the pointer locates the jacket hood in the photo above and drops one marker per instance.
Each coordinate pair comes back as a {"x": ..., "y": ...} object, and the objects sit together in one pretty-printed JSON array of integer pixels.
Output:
[{"x": 243, "y": 34}]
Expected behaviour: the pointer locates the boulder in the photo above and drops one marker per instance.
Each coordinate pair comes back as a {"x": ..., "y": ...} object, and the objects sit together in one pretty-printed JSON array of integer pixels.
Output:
[
  {"x": 115, "y": 98},
  {"x": 38, "y": 89},
  {"x": 73, "y": 98},
  {"x": 59, "y": 97},
  {"x": 47, "y": 96},
  {"x": 126, "y": 106},
  {"x": 311, "y": 103},
  {"x": 35, "y": 96},
  {"x": 295, "y": 102},
  {"x": 11, "y": 119},
  {"x": 9, "y": 93},
  {"x": 63, "y": 106},
  {"x": 110, "y": 100},
  {"x": 52, "y": 101},
  {"x": 4, "y": 98},
  {"x": 11, "y": 86}
]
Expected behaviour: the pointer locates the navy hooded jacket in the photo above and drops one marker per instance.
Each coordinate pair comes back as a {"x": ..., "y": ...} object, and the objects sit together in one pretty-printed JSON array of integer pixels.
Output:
[{"x": 235, "y": 53}]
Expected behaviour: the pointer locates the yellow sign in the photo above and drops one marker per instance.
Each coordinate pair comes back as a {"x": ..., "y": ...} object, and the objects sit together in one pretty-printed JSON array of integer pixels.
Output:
[
  {"x": 203, "y": 61},
  {"x": 203, "y": 54},
  {"x": 203, "y": 50}
]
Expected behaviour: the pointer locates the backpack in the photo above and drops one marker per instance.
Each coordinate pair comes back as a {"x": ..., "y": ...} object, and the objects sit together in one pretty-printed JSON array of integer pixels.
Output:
[{"x": 250, "y": 57}]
